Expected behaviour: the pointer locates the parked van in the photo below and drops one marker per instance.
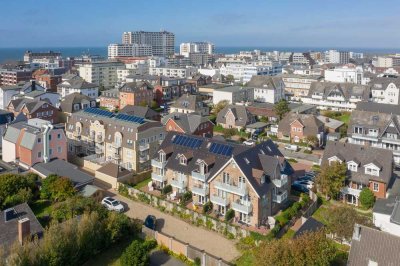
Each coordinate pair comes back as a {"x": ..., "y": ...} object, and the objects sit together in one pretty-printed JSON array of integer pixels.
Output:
[{"x": 291, "y": 147}]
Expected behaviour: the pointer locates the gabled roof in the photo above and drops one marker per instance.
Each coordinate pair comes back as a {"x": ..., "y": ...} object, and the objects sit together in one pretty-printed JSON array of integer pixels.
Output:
[
  {"x": 188, "y": 101},
  {"x": 242, "y": 115},
  {"x": 311, "y": 225},
  {"x": 187, "y": 122},
  {"x": 135, "y": 86},
  {"x": 67, "y": 103},
  {"x": 348, "y": 90},
  {"x": 140, "y": 111},
  {"x": 311, "y": 124},
  {"x": 264, "y": 82},
  {"x": 76, "y": 82}
]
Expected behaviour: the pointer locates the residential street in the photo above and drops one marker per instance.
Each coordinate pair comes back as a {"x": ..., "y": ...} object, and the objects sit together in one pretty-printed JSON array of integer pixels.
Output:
[{"x": 199, "y": 237}]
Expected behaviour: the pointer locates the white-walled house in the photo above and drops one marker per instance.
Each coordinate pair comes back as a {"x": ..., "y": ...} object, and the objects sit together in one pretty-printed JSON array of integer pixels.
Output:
[
  {"x": 386, "y": 215},
  {"x": 7, "y": 93},
  {"x": 233, "y": 94},
  {"x": 385, "y": 90},
  {"x": 77, "y": 84},
  {"x": 346, "y": 74},
  {"x": 267, "y": 89}
]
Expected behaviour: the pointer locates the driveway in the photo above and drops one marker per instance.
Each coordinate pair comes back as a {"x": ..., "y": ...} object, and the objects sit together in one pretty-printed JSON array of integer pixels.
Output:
[
  {"x": 211, "y": 242},
  {"x": 158, "y": 257}
]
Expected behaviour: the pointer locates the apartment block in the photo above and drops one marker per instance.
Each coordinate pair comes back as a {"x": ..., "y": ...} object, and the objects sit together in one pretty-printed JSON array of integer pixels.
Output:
[
  {"x": 162, "y": 42},
  {"x": 101, "y": 73},
  {"x": 9, "y": 77},
  {"x": 252, "y": 181},
  {"x": 297, "y": 86},
  {"x": 186, "y": 72},
  {"x": 102, "y": 136},
  {"x": 129, "y": 50}
]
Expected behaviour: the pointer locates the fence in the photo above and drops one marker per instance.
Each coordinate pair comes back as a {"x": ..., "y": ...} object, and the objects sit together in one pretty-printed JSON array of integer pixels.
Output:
[
  {"x": 313, "y": 207},
  {"x": 231, "y": 231},
  {"x": 179, "y": 247}
]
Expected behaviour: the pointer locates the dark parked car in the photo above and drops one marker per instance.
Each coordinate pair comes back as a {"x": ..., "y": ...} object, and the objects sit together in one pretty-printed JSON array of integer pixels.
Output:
[
  {"x": 150, "y": 222},
  {"x": 300, "y": 188}
]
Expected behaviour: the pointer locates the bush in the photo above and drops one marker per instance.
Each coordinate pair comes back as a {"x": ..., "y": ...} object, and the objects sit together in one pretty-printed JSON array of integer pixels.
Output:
[
  {"x": 136, "y": 254},
  {"x": 57, "y": 188},
  {"x": 307, "y": 151},
  {"x": 123, "y": 190},
  {"x": 229, "y": 215},
  {"x": 367, "y": 198},
  {"x": 167, "y": 189},
  {"x": 207, "y": 207},
  {"x": 143, "y": 198},
  {"x": 15, "y": 189},
  {"x": 187, "y": 196},
  {"x": 197, "y": 261}
]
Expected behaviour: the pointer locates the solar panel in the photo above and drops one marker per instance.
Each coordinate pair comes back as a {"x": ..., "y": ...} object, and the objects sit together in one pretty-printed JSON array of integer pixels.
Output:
[
  {"x": 97, "y": 111},
  {"x": 176, "y": 139},
  {"x": 221, "y": 149},
  {"x": 187, "y": 141},
  {"x": 182, "y": 140},
  {"x": 225, "y": 150},
  {"x": 130, "y": 118}
]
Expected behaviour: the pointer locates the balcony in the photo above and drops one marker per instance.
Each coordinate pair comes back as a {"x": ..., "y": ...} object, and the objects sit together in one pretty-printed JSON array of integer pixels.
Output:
[
  {"x": 280, "y": 197},
  {"x": 117, "y": 156},
  {"x": 201, "y": 190},
  {"x": 91, "y": 148},
  {"x": 156, "y": 163},
  {"x": 280, "y": 182},
  {"x": 351, "y": 191},
  {"x": 143, "y": 147},
  {"x": 202, "y": 177},
  {"x": 91, "y": 137},
  {"x": 99, "y": 139},
  {"x": 158, "y": 178},
  {"x": 116, "y": 145},
  {"x": 215, "y": 199},
  {"x": 99, "y": 150},
  {"x": 144, "y": 158},
  {"x": 242, "y": 206},
  {"x": 241, "y": 191},
  {"x": 391, "y": 140},
  {"x": 77, "y": 133},
  {"x": 178, "y": 184}
]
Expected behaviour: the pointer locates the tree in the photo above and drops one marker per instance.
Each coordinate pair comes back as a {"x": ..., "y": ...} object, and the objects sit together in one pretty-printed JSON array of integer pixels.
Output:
[
  {"x": 135, "y": 255},
  {"x": 281, "y": 108},
  {"x": 307, "y": 249},
  {"x": 331, "y": 179},
  {"x": 57, "y": 188},
  {"x": 219, "y": 106},
  {"x": 154, "y": 104},
  {"x": 229, "y": 78},
  {"x": 16, "y": 188},
  {"x": 341, "y": 220},
  {"x": 312, "y": 141},
  {"x": 367, "y": 198}
]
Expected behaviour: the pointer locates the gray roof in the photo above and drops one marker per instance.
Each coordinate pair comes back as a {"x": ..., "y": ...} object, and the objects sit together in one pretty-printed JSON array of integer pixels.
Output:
[
  {"x": 12, "y": 134},
  {"x": 312, "y": 125},
  {"x": 113, "y": 170},
  {"x": 64, "y": 169},
  {"x": 242, "y": 115},
  {"x": 140, "y": 111},
  {"x": 76, "y": 82},
  {"x": 9, "y": 229},
  {"x": 68, "y": 102},
  {"x": 265, "y": 82},
  {"x": 374, "y": 246},
  {"x": 188, "y": 101},
  {"x": 257, "y": 125},
  {"x": 311, "y": 225},
  {"x": 382, "y": 83},
  {"x": 187, "y": 122},
  {"x": 364, "y": 155},
  {"x": 384, "y": 206},
  {"x": 329, "y": 122},
  {"x": 136, "y": 86},
  {"x": 374, "y": 120},
  {"x": 347, "y": 90},
  {"x": 378, "y": 108},
  {"x": 89, "y": 190},
  {"x": 233, "y": 88}
]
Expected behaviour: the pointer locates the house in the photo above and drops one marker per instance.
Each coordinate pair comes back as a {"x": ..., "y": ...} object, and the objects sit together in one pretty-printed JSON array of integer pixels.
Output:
[
  {"x": 386, "y": 215},
  {"x": 267, "y": 89},
  {"x": 75, "y": 102},
  {"x": 123, "y": 139},
  {"x": 52, "y": 97},
  {"x": 233, "y": 94},
  {"x": 34, "y": 141},
  {"x": 110, "y": 99},
  {"x": 188, "y": 103},
  {"x": 376, "y": 125},
  {"x": 47, "y": 79},
  {"x": 298, "y": 127},
  {"x": 18, "y": 224},
  {"x": 76, "y": 84},
  {"x": 373, "y": 247},
  {"x": 260, "y": 110},
  {"x": 8, "y": 92},
  {"x": 34, "y": 109},
  {"x": 385, "y": 90},
  {"x": 63, "y": 168},
  {"x": 252, "y": 181},
  {"x": 191, "y": 123},
  {"x": 297, "y": 86},
  {"x": 6, "y": 117},
  {"x": 367, "y": 167},
  {"x": 200, "y": 80},
  {"x": 331, "y": 125},
  {"x": 336, "y": 96},
  {"x": 170, "y": 88},
  {"x": 234, "y": 116},
  {"x": 136, "y": 93},
  {"x": 141, "y": 111}
]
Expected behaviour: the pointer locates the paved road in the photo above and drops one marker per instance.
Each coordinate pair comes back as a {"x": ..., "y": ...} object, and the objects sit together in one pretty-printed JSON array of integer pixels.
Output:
[
  {"x": 158, "y": 257},
  {"x": 198, "y": 237}
]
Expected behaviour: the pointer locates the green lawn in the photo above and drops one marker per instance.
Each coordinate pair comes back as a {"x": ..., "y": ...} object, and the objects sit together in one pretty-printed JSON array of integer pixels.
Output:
[
  {"x": 289, "y": 234},
  {"x": 345, "y": 118},
  {"x": 42, "y": 209},
  {"x": 247, "y": 259},
  {"x": 143, "y": 183}
]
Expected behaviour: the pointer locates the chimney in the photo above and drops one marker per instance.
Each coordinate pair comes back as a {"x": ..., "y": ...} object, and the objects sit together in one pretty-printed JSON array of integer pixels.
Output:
[
  {"x": 33, "y": 85},
  {"x": 24, "y": 229},
  {"x": 357, "y": 232}
]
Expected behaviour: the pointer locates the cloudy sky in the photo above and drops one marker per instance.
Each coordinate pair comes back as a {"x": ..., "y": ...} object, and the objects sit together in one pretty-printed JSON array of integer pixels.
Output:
[{"x": 285, "y": 23}]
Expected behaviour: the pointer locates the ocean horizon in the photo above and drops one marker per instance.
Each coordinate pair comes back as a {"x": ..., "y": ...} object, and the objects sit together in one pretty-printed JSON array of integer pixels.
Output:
[{"x": 15, "y": 54}]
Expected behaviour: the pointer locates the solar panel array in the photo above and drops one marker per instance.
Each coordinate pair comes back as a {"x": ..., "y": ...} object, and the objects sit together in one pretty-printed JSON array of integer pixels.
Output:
[
  {"x": 221, "y": 149},
  {"x": 130, "y": 118},
  {"x": 97, "y": 111},
  {"x": 187, "y": 141}
]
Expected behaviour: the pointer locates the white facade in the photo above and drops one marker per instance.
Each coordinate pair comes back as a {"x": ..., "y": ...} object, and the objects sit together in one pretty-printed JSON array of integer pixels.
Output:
[
  {"x": 162, "y": 42},
  {"x": 209, "y": 71},
  {"x": 131, "y": 50},
  {"x": 388, "y": 95},
  {"x": 173, "y": 72},
  {"x": 137, "y": 68},
  {"x": 196, "y": 47},
  {"x": 233, "y": 95},
  {"x": 382, "y": 221},
  {"x": 244, "y": 72},
  {"x": 8, "y": 93},
  {"x": 102, "y": 73},
  {"x": 270, "y": 94},
  {"x": 337, "y": 57},
  {"x": 346, "y": 75}
]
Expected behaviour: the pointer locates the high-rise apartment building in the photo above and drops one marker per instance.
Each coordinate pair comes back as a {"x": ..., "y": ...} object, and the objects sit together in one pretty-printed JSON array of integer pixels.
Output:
[
  {"x": 188, "y": 48},
  {"x": 129, "y": 50},
  {"x": 163, "y": 42},
  {"x": 337, "y": 57}
]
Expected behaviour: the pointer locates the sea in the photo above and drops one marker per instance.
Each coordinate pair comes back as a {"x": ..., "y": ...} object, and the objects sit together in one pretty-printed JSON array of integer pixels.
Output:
[{"x": 15, "y": 54}]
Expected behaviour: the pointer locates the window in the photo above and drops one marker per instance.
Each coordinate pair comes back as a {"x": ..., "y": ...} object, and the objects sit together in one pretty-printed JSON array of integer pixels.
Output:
[
  {"x": 50, "y": 151},
  {"x": 352, "y": 167},
  {"x": 226, "y": 178},
  {"x": 59, "y": 149},
  {"x": 39, "y": 155},
  {"x": 39, "y": 140},
  {"x": 375, "y": 186},
  {"x": 59, "y": 136},
  {"x": 182, "y": 160},
  {"x": 372, "y": 171},
  {"x": 373, "y": 132},
  {"x": 358, "y": 130}
]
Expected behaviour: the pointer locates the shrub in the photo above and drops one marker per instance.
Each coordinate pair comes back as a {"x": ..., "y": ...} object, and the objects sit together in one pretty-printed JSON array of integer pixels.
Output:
[
  {"x": 207, "y": 207},
  {"x": 307, "y": 151},
  {"x": 135, "y": 255},
  {"x": 187, "y": 196},
  {"x": 57, "y": 188},
  {"x": 367, "y": 198},
  {"x": 197, "y": 261},
  {"x": 123, "y": 190},
  {"x": 296, "y": 206},
  {"x": 229, "y": 215},
  {"x": 167, "y": 189},
  {"x": 143, "y": 198},
  {"x": 282, "y": 220},
  {"x": 15, "y": 189}
]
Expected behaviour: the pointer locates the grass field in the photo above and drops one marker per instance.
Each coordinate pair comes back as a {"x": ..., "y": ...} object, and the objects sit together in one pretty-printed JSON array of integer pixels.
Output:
[
  {"x": 42, "y": 209},
  {"x": 143, "y": 183}
]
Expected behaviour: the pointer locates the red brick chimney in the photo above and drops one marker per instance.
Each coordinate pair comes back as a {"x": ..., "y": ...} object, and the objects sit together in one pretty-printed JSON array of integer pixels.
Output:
[{"x": 24, "y": 229}]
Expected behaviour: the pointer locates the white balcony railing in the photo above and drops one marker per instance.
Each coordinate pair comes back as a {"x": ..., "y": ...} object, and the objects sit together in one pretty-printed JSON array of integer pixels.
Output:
[
  {"x": 157, "y": 177},
  {"x": 144, "y": 158},
  {"x": 242, "y": 206},
  {"x": 351, "y": 191},
  {"x": 280, "y": 182},
  {"x": 280, "y": 197},
  {"x": 219, "y": 200},
  {"x": 238, "y": 190},
  {"x": 143, "y": 147},
  {"x": 201, "y": 190},
  {"x": 156, "y": 163},
  {"x": 202, "y": 177},
  {"x": 181, "y": 184}
]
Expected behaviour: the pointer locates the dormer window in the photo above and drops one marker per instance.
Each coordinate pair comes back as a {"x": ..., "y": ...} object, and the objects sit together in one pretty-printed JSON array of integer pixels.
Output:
[
  {"x": 372, "y": 169},
  {"x": 358, "y": 130},
  {"x": 351, "y": 166},
  {"x": 182, "y": 160},
  {"x": 162, "y": 157}
]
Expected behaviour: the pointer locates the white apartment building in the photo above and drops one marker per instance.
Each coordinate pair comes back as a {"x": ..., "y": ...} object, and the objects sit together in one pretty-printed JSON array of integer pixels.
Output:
[
  {"x": 387, "y": 61},
  {"x": 297, "y": 86},
  {"x": 130, "y": 50},
  {"x": 385, "y": 90},
  {"x": 163, "y": 42},
  {"x": 137, "y": 68},
  {"x": 346, "y": 75},
  {"x": 102, "y": 73},
  {"x": 267, "y": 89},
  {"x": 233, "y": 94},
  {"x": 173, "y": 72},
  {"x": 187, "y": 48},
  {"x": 337, "y": 57},
  {"x": 244, "y": 72}
]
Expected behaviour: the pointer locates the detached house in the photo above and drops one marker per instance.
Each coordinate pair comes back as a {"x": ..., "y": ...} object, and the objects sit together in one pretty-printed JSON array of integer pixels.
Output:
[
  {"x": 267, "y": 89},
  {"x": 385, "y": 90},
  {"x": 192, "y": 123},
  {"x": 34, "y": 109},
  {"x": 367, "y": 167},
  {"x": 189, "y": 104},
  {"x": 252, "y": 181},
  {"x": 235, "y": 116},
  {"x": 75, "y": 84}
]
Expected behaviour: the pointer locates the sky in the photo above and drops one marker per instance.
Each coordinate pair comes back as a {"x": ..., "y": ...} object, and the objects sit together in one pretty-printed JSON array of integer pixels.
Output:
[{"x": 265, "y": 23}]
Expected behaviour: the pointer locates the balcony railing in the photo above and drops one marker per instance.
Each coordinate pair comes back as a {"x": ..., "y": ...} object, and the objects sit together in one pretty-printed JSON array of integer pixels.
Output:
[
  {"x": 99, "y": 150},
  {"x": 280, "y": 182},
  {"x": 202, "y": 177},
  {"x": 157, "y": 163},
  {"x": 144, "y": 158},
  {"x": 157, "y": 177},
  {"x": 99, "y": 139},
  {"x": 242, "y": 206},
  {"x": 238, "y": 190},
  {"x": 200, "y": 190},
  {"x": 219, "y": 200},
  {"x": 117, "y": 156},
  {"x": 351, "y": 191},
  {"x": 178, "y": 184},
  {"x": 280, "y": 197},
  {"x": 143, "y": 147},
  {"x": 77, "y": 133},
  {"x": 116, "y": 145}
]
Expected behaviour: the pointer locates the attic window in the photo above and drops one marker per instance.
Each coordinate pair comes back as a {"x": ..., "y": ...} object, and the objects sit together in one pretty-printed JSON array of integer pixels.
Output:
[
  {"x": 262, "y": 151},
  {"x": 246, "y": 160},
  {"x": 182, "y": 160}
]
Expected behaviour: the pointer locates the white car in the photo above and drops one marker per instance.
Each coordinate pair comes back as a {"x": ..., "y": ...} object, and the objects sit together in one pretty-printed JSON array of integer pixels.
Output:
[
  {"x": 112, "y": 204},
  {"x": 307, "y": 183},
  {"x": 249, "y": 142}
]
